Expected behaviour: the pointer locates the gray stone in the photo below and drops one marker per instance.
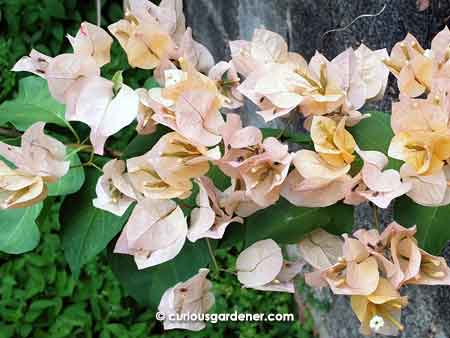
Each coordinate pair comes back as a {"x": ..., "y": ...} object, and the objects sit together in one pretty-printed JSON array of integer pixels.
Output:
[{"x": 303, "y": 24}]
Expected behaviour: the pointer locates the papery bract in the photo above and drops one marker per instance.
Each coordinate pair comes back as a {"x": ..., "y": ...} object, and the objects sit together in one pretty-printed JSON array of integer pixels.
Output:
[
  {"x": 38, "y": 155},
  {"x": 193, "y": 296},
  {"x": 155, "y": 233},
  {"x": 209, "y": 219},
  {"x": 386, "y": 303},
  {"x": 114, "y": 191},
  {"x": 91, "y": 40}
]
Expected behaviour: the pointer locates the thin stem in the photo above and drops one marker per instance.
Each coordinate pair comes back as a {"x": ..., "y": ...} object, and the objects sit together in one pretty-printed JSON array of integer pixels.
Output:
[
  {"x": 211, "y": 254},
  {"x": 99, "y": 13},
  {"x": 74, "y": 133},
  {"x": 375, "y": 216},
  {"x": 96, "y": 167},
  {"x": 10, "y": 132}
]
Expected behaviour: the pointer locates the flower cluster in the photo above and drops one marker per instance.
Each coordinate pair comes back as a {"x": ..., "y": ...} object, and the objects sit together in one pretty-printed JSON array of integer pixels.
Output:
[
  {"x": 371, "y": 268},
  {"x": 278, "y": 81},
  {"x": 197, "y": 100},
  {"x": 420, "y": 125},
  {"x": 38, "y": 161}
]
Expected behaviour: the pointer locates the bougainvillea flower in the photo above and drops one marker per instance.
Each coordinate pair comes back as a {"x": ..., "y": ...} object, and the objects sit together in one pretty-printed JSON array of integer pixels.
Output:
[
  {"x": 412, "y": 66},
  {"x": 39, "y": 154},
  {"x": 321, "y": 249},
  {"x": 264, "y": 174},
  {"x": 424, "y": 151},
  {"x": 356, "y": 273},
  {"x": 142, "y": 38},
  {"x": 235, "y": 199},
  {"x": 193, "y": 52},
  {"x": 352, "y": 82},
  {"x": 176, "y": 159},
  {"x": 418, "y": 115},
  {"x": 265, "y": 47},
  {"x": 373, "y": 71},
  {"x": 259, "y": 264},
  {"x": 284, "y": 281},
  {"x": 187, "y": 79},
  {"x": 314, "y": 182},
  {"x": 275, "y": 88},
  {"x": 155, "y": 233},
  {"x": 193, "y": 103},
  {"x": 414, "y": 265},
  {"x": 146, "y": 109},
  {"x": 66, "y": 72},
  {"x": 380, "y": 311},
  {"x": 19, "y": 189},
  {"x": 373, "y": 242},
  {"x": 198, "y": 118},
  {"x": 239, "y": 143},
  {"x": 326, "y": 91},
  {"x": 209, "y": 219},
  {"x": 114, "y": 190},
  {"x": 169, "y": 14},
  {"x": 170, "y": 18},
  {"x": 315, "y": 193},
  {"x": 333, "y": 143},
  {"x": 146, "y": 180},
  {"x": 91, "y": 40},
  {"x": 440, "y": 44},
  {"x": 193, "y": 296},
  {"x": 36, "y": 63},
  {"x": 227, "y": 80},
  {"x": 428, "y": 190},
  {"x": 378, "y": 186},
  {"x": 98, "y": 107}
]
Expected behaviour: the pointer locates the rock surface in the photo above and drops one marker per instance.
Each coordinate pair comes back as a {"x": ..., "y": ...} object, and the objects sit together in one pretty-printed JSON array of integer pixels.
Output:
[{"x": 304, "y": 24}]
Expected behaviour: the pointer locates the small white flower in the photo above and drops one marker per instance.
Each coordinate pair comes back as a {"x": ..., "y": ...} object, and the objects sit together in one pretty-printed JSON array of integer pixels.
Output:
[
  {"x": 376, "y": 323},
  {"x": 428, "y": 53}
]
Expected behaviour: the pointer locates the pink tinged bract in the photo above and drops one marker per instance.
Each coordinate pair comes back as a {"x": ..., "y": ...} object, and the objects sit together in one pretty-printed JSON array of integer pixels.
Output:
[
  {"x": 382, "y": 186},
  {"x": 93, "y": 41},
  {"x": 209, "y": 219},
  {"x": 265, "y": 173},
  {"x": 410, "y": 115},
  {"x": 65, "y": 71},
  {"x": 155, "y": 233},
  {"x": 321, "y": 249},
  {"x": 39, "y": 154},
  {"x": 374, "y": 72},
  {"x": 114, "y": 191},
  {"x": 284, "y": 281},
  {"x": 193, "y": 296},
  {"x": 19, "y": 189},
  {"x": 427, "y": 190},
  {"x": 197, "y": 117},
  {"x": 105, "y": 113},
  {"x": 36, "y": 63},
  {"x": 259, "y": 264}
]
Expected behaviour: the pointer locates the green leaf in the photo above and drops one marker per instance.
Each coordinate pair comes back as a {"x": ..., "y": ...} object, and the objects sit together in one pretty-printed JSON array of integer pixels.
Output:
[
  {"x": 86, "y": 230},
  {"x": 72, "y": 181},
  {"x": 287, "y": 223},
  {"x": 375, "y": 133},
  {"x": 285, "y": 135},
  {"x": 33, "y": 103},
  {"x": 148, "y": 285},
  {"x": 19, "y": 232},
  {"x": 151, "y": 83},
  {"x": 221, "y": 181},
  {"x": 143, "y": 143},
  {"x": 117, "y": 80},
  {"x": 433, "y": 230}
]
